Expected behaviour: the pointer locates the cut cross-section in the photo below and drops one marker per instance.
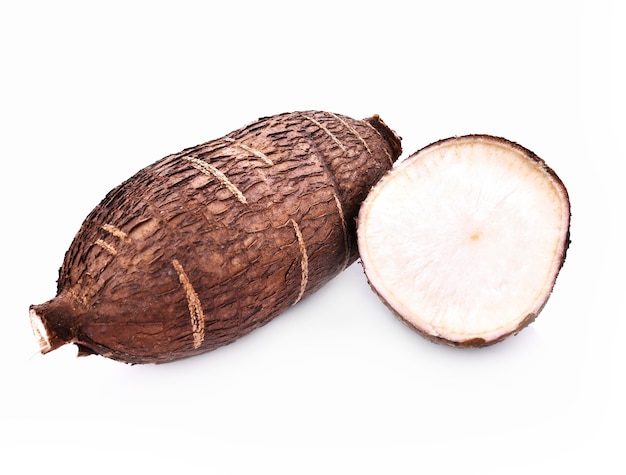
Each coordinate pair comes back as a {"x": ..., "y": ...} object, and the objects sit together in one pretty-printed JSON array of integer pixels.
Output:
[{"x": 465, "y": 238}]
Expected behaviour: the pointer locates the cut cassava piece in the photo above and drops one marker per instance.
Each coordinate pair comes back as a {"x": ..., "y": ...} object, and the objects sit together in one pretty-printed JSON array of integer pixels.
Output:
[
  {"x": 203, "y": 246},
  {"x": 464, "y": 239}
]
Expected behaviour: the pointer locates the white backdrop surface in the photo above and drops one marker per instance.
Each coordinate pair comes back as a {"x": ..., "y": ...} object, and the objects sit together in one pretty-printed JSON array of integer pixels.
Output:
[{"x": 92, "y": 92}]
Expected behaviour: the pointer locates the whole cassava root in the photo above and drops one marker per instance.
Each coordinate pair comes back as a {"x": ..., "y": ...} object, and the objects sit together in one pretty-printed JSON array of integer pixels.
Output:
[
  {"x": 464, "y": 239},
  {"x": 204, "y": 246}
]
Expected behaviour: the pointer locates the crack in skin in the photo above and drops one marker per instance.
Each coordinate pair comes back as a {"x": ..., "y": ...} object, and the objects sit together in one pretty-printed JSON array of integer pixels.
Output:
[
  {"x": 253, "y": 151},
  {"x": 304, "y": 263},
  {"x": 210, "y": 170},
  {"x": 353, "y": 131},
  {"x": 195, "y": 307},
  {"x": 115, "y": 231},
  {"x": 107, "y": 247},
  {"x": 328, "y": 132}
]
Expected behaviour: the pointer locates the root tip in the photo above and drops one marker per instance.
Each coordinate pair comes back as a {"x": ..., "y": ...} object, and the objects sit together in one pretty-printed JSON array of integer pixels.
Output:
[
  {"x": 40, "y": 331},
  {"x": 53, "y": 323}
]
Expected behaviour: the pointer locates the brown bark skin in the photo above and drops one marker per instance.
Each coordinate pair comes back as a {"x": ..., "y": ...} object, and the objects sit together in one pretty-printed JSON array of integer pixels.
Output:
[{"x": 204, "y": 246}]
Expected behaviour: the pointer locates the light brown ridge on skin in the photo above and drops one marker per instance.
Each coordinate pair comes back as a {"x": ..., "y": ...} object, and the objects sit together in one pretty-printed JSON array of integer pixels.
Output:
[
  {"x": 328, "y": 132},
  {"x": 115, "y": 231},
  {"x": 253, "y": 151},
  {"x": 353, "y": 131},
  {"x": 195, "y": 307},
  {"x": 346, "y": 240},
  {"x": 304, "y": 263},
  {"x": 107, "y": 247},
  {"x": 210, "y": 170}
]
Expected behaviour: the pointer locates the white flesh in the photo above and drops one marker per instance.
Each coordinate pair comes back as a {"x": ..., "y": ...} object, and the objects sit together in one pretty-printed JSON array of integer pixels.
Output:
[
  {"x": 465, "y": 238},
  {"x": 39, "y": 329}
]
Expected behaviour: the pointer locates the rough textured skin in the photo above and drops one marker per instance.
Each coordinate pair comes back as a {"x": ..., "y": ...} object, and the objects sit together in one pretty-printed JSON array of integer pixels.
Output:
[{"x": 204, "y": 246}]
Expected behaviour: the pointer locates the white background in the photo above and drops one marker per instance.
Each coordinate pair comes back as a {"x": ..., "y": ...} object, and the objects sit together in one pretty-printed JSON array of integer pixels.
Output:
[{"x": 91, "y": 92}]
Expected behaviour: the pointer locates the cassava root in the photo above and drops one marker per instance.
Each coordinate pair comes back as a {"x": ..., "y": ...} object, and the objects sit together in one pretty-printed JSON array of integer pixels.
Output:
[{"x": 205, "y": 245}]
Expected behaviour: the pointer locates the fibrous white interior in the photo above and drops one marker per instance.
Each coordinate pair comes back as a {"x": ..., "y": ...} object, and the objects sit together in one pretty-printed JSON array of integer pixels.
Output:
[
  {"x": 39, "y": 329},
  {"x": 465, "y": 239}
]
